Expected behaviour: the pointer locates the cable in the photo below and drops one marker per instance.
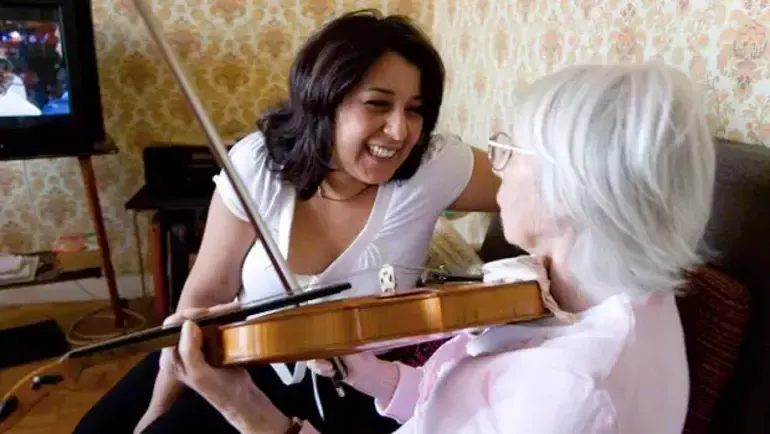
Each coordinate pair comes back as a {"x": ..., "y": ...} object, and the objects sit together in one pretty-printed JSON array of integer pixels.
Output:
[
  {"x": 76, "y": 338},
  {"x": 73, "y": 336}
]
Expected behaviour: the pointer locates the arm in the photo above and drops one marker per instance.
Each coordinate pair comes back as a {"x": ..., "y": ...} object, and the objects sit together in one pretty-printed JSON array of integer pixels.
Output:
[
  {"x": 541, "y": 390},
  {"x": 216, "y": 274},
  {"x": 214, "y": 279},
  {"x": 398, "y": 395},
  {"x": 481, "y": 192},
  {"x": 393, "y": 385}
]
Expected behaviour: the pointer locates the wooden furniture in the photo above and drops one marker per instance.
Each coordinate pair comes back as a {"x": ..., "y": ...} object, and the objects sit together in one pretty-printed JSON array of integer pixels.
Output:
[
  {"x": 95, "y": 209},
  {"x": 176, "y": 225}
]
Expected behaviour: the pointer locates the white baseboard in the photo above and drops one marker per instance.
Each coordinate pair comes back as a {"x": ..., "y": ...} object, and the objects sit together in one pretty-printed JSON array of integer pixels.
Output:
[{"x": 129, "y": 287}]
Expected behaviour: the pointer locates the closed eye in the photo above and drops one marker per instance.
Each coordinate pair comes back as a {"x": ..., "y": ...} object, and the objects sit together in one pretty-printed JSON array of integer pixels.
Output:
[
  {"x": 385, "y": 105},
  {"x": 377, "y": 104}
]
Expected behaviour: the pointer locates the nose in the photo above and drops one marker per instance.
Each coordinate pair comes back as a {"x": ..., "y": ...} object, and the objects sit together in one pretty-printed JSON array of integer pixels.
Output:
[{"x": 396, "y": 126}]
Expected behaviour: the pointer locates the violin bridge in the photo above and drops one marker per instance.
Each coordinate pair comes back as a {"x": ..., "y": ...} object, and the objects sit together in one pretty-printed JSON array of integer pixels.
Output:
[{"x": 387, "y": 280}]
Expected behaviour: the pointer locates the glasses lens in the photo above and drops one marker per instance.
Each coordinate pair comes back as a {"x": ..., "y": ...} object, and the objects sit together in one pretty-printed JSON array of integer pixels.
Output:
[{"x": 499, "y": 150}]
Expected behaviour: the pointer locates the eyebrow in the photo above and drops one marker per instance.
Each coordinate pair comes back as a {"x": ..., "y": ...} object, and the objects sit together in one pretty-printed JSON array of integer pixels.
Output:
[
  {"x": 390, "y": 92},
  {"x": 381, "y": 90}
]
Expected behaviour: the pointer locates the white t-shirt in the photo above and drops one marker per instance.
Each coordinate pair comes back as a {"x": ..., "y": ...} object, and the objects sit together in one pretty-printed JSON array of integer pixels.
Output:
[{"x": 398, "y": 231}]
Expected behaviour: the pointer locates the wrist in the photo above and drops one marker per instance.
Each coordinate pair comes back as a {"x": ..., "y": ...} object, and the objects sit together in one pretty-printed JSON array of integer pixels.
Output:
[
  {"x": 252, "y": 412},
  {"x": 378, "y": 381}
]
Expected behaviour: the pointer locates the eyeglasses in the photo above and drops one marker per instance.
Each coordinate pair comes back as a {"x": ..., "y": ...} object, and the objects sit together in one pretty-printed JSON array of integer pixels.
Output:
[{"x": 499, "y": 149}]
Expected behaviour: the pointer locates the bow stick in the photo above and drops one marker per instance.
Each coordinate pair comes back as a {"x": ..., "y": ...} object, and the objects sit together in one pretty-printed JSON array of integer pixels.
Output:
[{"x": 288, "y": 280}]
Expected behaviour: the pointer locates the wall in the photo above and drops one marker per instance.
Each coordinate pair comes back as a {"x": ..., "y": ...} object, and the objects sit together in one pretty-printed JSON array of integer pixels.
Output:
[
  {"x": 495, "y": 46},
  {"x": 238, "y": 53}
]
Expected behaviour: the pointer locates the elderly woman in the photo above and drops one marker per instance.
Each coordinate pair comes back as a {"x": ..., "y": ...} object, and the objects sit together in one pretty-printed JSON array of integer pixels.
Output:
[{"x": 607, "y": 181}]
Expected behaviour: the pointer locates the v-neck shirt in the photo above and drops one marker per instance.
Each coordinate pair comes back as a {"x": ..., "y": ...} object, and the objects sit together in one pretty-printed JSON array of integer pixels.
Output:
[{"x": 398, "y": 231}]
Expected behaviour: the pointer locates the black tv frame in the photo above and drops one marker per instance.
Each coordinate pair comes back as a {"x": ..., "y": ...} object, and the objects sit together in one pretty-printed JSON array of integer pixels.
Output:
[{"x": 82, "y": 132}]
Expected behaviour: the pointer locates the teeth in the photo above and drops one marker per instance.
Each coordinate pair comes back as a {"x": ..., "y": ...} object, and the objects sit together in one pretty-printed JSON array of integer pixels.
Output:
[{"x": 380, "y": 152}]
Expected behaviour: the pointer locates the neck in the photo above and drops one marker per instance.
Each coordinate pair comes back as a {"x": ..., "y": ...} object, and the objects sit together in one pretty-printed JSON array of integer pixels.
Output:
[
  {"x": 564, "y": 287},
  {"x": 340, "y": 185}
]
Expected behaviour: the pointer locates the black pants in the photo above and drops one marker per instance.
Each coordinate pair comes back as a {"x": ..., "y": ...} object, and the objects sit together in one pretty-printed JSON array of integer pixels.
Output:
[{"x": 121, "y": 408}]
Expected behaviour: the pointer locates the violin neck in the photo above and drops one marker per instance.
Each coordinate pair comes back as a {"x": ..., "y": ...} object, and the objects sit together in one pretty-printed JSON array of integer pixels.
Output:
[
  {"x": 125, "y": 346},
  {"x": 161, "y": 337}
]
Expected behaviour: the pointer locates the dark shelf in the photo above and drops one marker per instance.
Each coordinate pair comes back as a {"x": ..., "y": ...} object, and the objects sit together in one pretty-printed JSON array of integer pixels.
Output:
[
  {"x": 48, "y": 273},
  {"x": 148, "y": 199}
]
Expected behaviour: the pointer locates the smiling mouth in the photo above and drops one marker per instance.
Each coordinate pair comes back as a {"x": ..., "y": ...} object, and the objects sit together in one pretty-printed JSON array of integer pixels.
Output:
[{"x": 380, "y": 152}]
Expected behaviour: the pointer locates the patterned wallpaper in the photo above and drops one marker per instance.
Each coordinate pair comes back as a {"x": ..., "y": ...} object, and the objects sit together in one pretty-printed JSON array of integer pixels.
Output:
[
  {"x": 498, "y": 45},
  {"x": 238, "y": 52}
]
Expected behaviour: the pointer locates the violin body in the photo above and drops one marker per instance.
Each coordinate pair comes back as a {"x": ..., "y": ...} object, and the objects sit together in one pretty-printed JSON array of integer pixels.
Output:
[
  {"x": 373, "y": 323},
  {"x": 311, "y": 331}
]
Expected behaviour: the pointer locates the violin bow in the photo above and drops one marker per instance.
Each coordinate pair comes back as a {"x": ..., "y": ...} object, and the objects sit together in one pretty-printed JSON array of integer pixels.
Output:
[{"x": 217, "y": 148}]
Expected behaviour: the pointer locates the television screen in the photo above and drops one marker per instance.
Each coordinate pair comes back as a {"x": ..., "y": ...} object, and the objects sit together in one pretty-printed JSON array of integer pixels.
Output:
[{"x": 34, "y": 80}]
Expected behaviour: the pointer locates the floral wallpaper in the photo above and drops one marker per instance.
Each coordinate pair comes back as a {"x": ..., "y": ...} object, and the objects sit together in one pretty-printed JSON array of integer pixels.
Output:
[
  {"x": 238, "y": 52},
  {"x": 498, "y": 45}
]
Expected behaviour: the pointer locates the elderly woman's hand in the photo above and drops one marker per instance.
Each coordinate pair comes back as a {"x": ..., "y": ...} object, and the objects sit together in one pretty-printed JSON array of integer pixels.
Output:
[
  {"x": 229, "y": 390},
  {"x": 366, "y": 373}
]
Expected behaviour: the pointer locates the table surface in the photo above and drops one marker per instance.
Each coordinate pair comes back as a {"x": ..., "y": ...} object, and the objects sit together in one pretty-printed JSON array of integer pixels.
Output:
[
  {"x": 146, "y": 200},
  {"x": 48, "y": 273}
]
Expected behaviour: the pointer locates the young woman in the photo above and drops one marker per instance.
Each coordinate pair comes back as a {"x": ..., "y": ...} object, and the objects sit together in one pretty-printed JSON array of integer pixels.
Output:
[
  {"x": 348, "y": 175},
  {"x": 607, "y": 178}
]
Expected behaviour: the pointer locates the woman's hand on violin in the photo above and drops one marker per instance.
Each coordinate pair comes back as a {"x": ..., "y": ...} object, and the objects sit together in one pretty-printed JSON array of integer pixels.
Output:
[
  {"x": 167, "y": 388},
  {"x": 229, "y": 390},
  {"x": 366, "y": 373},
  {"x": 169, "y": 357},
  {"x": 180, "y": 316}
]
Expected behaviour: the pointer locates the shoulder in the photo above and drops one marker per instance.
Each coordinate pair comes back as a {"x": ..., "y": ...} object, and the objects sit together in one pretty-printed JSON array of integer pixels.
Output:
[
  {"x": 248, "y": 152},
  {"x": 446, "y": 149},
  {"x": 444, "y": 172},
  {"x": 523, "y": 388},
  {"x": 248, "y": 157}
]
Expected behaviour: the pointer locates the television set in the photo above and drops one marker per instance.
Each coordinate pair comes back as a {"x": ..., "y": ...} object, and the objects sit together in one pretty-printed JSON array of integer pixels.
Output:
[{"x": 50, "y": 100}]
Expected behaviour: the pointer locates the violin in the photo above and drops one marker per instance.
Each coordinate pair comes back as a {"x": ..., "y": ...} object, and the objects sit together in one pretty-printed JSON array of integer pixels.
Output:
[
  {"x": 321, "y": 329},
  {"x": 313, "y": 331}
]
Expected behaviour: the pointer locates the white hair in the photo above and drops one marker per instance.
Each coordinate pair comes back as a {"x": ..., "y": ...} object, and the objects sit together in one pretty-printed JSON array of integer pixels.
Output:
[{"x": 626, "y": 156}]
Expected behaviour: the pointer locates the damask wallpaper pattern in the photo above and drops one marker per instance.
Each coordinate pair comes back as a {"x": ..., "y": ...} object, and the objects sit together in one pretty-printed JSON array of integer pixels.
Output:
[
  {"x": 238, "y": 52},
  {"x": 499, "y": 45}
]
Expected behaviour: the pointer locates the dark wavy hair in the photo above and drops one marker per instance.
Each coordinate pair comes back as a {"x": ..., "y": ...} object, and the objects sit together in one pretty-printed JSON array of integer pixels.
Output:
[{"x": 299, "y": 132}]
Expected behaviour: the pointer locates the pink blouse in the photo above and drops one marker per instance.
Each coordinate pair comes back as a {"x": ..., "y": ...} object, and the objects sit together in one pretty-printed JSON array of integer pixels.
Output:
[{"x": 619, "y": 367}]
